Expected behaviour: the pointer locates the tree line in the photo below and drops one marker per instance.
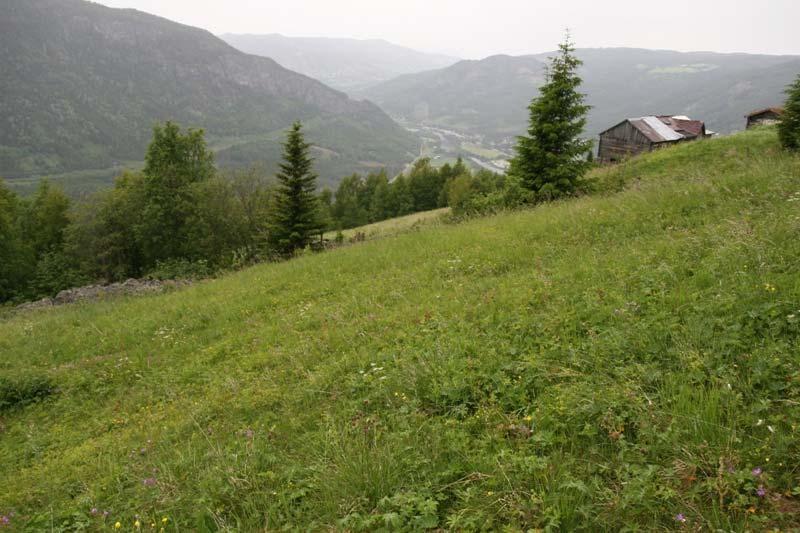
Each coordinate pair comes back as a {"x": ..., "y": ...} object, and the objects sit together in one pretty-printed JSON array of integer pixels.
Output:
[{"x": 182, "y": 217}]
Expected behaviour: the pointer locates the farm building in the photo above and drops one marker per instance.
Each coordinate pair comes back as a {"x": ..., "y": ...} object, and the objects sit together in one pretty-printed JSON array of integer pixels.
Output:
[
  {"x": 644, "y": 134},
  {"x": 764, "y": 117}
]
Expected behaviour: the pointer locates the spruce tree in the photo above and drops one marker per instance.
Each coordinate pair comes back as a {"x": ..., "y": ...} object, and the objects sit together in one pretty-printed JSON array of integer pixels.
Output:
[
  {"x": 550, "y": 159},
  {"x": 789, "y": 126},
  {"x": 295, "y": 218}
]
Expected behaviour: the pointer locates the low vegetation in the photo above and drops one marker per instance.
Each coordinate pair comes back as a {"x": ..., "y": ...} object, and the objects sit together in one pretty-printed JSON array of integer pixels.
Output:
[
  {"x": 392, "y": 226},
  {"x": 627, "y": 360}
]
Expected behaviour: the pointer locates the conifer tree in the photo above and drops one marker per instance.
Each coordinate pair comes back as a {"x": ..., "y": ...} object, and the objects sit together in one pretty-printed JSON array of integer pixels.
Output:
[
  {"x": 789, "y": 126},
  {"x": 295, "y": 216},
  {"x": 550, "y": 159}
]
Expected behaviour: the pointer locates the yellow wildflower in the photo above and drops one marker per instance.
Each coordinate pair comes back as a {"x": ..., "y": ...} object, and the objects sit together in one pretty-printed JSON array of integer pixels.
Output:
[
  {"x": 164, "y": 520},
  {"x": 137, "y": 524},
  {"x": 117, "y": 525}
]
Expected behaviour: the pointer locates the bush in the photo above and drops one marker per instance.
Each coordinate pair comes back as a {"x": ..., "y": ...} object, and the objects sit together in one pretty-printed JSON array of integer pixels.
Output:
[{"x": 24, "y": 390}]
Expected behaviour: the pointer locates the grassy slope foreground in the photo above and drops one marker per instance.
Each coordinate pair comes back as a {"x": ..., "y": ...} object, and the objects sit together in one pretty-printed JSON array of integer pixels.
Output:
[{"x": 625, "y": 361}]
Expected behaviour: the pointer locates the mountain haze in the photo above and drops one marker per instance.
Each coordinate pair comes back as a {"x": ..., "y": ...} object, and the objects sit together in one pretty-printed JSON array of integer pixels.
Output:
[
  {"x": 346, "y": 64},
  {"x": 83, "y": 85},
  {"x": 490, "y": 96}
]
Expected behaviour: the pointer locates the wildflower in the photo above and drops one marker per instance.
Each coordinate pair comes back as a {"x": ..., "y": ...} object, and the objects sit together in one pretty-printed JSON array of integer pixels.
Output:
[
  {"x": 164, "y": 520},
  {"x": 4, "y": 521},
  {"x": 680, "y": 518},
  {"x": 756, "y": 472},
  {"x": 761, "y": 491},
  {"x": 105, "y": 514},
  {"x": 117, "y": 525},
  {"x": 137, "y": 524},
  {"x": 94, "y": 511},
  {"x": 769, "y": 287},
  {"x": 153, "y": 525},
  {"x": 149, "y": 482}
]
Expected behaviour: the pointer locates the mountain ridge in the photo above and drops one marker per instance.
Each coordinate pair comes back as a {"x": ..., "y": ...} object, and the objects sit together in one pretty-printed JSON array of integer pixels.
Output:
[
  {"x": 619, "y": 82},
  {"x": 347, "y": 64},
  {"x": 87, "y": 82}
]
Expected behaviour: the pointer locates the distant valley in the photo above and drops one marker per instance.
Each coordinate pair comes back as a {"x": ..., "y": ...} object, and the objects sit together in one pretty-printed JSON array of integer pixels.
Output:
[
  {"x": 350, "y": 65},
  {"x": 84, "y": 84},
  {"x": 477, "y": 108}
]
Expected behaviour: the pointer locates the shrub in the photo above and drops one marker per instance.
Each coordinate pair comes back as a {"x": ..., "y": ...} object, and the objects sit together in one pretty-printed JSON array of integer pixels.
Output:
[{"x": 23, "y": 390}]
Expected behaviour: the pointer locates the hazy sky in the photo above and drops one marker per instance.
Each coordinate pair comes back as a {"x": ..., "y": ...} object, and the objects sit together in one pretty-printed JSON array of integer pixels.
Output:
[{"x": 477, "y": 28}]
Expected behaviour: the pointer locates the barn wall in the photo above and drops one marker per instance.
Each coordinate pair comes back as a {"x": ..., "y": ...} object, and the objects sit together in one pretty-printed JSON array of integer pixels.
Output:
[
  {"x": 764, "y": 119},
  {"x": 622, "y": 141}
]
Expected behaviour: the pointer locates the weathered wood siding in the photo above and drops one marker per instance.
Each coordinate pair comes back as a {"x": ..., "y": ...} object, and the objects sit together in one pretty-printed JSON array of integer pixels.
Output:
[
  {"x": 622, "y": 141},
  {"x": 763, "y": 119}
]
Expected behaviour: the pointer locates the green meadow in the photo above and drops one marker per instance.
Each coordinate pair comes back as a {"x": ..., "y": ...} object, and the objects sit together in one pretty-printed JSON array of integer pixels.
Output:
[{"x": 626, "y": 360}]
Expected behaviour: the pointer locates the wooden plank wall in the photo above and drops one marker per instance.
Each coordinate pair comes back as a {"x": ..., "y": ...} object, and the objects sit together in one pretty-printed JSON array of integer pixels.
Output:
[{"x": 621, "y": 142}]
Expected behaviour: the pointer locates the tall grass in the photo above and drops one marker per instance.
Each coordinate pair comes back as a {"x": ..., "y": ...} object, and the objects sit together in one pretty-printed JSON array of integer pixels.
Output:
[{"x": 616, "y": 362}]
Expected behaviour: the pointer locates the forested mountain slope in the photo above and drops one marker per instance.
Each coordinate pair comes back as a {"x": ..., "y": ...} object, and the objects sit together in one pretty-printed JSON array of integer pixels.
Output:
[{"x": 83, "y": 85}]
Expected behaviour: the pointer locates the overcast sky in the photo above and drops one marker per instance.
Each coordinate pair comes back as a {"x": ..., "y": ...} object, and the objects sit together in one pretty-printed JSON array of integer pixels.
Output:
[{"x": 478, "y": 28}]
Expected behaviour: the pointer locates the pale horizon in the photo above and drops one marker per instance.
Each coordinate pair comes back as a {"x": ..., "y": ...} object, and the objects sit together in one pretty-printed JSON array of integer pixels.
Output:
[{"x": 474, "y": 29}]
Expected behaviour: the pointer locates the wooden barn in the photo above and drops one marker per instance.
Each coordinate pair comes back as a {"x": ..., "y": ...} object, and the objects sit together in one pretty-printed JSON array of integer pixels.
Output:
[
  {"x": 764, "y": 117},
  {"x": 644, "y": 134}
]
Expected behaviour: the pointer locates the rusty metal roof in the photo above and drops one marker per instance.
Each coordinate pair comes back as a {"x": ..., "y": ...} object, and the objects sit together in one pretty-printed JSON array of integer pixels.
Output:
[
  {"x": 667, "y": 128},
  {"x": 685, "y": 126},
  {"x": 776, "y": 110}
]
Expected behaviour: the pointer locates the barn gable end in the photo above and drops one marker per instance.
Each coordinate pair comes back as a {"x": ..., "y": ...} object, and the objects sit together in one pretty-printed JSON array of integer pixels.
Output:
[{"x": 621, "y": 141}]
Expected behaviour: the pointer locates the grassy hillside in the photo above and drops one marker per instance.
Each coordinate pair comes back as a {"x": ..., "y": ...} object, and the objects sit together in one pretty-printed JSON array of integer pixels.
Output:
[
  {"x": 394, "y": 226},
  {"x": 620, "y": 361}
]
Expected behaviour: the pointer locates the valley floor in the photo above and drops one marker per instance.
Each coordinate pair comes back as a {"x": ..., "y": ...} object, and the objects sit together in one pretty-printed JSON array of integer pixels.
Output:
[{"x": 627, "y": 360}]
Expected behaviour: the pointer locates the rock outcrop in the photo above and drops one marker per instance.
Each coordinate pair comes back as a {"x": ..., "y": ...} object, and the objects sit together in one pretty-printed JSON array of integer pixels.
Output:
[{"x": 97, "y": 292}]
